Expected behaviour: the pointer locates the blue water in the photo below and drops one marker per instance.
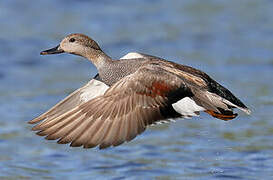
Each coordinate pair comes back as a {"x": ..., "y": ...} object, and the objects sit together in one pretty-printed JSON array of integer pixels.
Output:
[{"x": 230, "y": 40}]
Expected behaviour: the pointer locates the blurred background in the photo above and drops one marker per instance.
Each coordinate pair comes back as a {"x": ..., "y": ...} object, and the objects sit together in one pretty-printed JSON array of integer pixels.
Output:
[{"x": 230, "y": 40}]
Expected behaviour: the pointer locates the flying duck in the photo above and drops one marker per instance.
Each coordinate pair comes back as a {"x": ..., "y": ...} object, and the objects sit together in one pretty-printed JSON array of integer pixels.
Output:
[{"x": 127, "y": 95}]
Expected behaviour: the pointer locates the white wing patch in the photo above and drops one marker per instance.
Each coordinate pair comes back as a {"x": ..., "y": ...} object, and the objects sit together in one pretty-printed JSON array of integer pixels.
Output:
[
  {"x": 132, "y": 55},
  {"x": 93, "y": 89},
  {"x": 187, "y": 107}
]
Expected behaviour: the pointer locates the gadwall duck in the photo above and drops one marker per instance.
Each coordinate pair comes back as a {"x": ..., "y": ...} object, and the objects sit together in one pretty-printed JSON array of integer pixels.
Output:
[{"x": 127, "y": 95}]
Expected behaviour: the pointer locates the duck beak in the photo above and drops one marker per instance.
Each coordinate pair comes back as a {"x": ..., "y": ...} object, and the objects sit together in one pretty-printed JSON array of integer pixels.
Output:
[{"x": 55, "y": 50}]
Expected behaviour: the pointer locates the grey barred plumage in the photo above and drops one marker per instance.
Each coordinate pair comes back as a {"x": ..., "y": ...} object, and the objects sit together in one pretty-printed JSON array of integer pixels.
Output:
[{"x": 115, "y": 70}]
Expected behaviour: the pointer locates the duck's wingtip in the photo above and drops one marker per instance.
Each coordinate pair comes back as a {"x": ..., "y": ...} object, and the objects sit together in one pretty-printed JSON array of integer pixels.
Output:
[
  {"x": 35, "y": 120},
  {"x": 31, "y": 121},
  {"x": 246, "y": 110}
]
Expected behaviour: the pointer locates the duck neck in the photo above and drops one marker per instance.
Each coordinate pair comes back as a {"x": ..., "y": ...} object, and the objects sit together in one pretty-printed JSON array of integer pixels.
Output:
[{"x": 98, "y": 58}]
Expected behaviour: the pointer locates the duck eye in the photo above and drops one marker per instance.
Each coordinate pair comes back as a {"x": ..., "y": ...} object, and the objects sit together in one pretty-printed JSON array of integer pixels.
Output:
[{"x": 72, "y": 40}]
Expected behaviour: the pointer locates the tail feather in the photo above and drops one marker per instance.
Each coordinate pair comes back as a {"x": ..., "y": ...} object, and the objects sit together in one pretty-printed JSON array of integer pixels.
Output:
[{"x": 217, "y": 106}]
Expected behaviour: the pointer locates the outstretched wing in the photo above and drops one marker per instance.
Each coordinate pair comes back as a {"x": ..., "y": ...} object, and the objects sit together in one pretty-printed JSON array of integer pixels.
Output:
[
  {"x": 92, "y": 89},
  {"x": 122, "y": 113}
]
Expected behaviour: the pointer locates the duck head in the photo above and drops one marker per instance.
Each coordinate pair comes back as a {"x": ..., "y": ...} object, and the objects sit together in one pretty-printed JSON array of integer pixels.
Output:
[
  {"x": 82, "y": 45},
  {"x": 77, "y": 44}
]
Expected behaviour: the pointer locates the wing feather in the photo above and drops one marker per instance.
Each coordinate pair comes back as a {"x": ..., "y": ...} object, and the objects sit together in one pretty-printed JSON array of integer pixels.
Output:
[
  {"x": 119, "y": 115},
  {"x": 91, "y": 90}
]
